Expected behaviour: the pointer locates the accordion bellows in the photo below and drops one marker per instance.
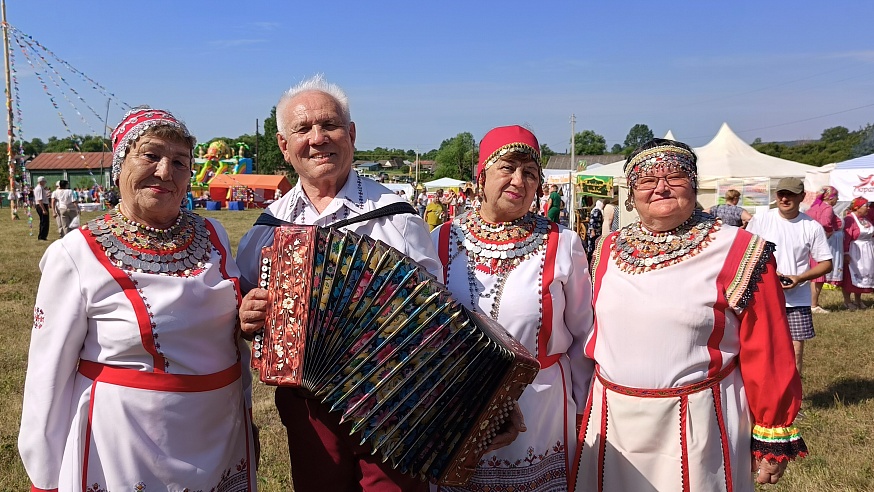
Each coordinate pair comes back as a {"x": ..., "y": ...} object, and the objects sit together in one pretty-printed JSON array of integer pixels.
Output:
[{"x": 367, "y": 330}]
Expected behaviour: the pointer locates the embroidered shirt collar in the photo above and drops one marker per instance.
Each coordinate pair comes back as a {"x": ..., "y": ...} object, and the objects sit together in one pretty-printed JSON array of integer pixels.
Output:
[{"x": 350, "y": 197}]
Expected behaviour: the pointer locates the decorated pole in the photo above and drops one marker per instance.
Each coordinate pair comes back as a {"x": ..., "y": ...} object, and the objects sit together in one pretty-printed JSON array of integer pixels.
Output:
[{"x": 13, "y": 204}]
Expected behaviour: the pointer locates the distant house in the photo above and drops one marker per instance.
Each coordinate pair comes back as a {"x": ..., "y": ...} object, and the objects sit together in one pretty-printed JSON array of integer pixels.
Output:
[
  {"x": 75, "y": 167},
  {"x": 426, "y": 165},
  {"x": 365, "y": 166},
  {"x": 563, "y": 161},
  {"x": 393, "y": 163}
]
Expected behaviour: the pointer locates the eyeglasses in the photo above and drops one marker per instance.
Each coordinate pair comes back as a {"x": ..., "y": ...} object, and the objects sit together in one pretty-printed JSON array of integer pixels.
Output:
[{"x": 646, "y": 183}]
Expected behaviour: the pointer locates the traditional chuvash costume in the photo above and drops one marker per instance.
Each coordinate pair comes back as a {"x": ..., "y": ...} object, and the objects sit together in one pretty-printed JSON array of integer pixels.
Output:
[
  {"x": 695, "y": 371},
  {"x": 531, "y": 275},
  {"x": 137, "y": 380}
]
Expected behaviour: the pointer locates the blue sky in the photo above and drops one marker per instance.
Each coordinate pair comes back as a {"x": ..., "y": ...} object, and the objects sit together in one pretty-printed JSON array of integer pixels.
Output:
[{"x": 420, "y": 72}]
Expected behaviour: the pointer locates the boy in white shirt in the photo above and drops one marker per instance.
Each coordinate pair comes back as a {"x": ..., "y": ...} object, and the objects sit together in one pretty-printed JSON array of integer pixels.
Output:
[{"x": 798, "y": 238}]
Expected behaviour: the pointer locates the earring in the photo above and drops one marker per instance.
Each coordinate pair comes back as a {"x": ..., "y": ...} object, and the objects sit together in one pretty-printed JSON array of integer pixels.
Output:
[{"x": 629, "y": 204}]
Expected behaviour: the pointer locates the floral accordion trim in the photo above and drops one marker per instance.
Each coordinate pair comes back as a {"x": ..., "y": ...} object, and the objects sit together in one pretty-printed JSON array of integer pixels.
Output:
[
  {"x": 749, "y": 273},
  {"x": 777, "y": 443}
]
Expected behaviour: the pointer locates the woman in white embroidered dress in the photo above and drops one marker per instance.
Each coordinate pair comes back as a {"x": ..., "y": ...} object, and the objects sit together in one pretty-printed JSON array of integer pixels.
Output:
[
  {"x": 531, "y": 275},
  {"x": 136, "y": 377},
  {"x": 858, "y": 254},
  {"x": 695, "y": 381}
]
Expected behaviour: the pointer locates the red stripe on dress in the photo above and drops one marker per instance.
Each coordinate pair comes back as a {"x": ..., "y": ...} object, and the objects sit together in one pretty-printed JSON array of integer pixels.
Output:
[
  {"x": 684, "y": 445},
  {"x": 726, "y": 275},
  {"x": 176, "y": 383},
  {"x": 217, "y": 244},
  {"x": 723, "y": 436},
  {"x": 545, "y": 331},
  {"x": 443, "y": 249},
  {"x": 581, "y": 437},
  {"x": 87, "y": 450},
  {"x": 602, "y": 444},
  {"x": 600, "y": 269},
  {"x": 132, "y": 294},
  {"x": 34, "y": 488}
]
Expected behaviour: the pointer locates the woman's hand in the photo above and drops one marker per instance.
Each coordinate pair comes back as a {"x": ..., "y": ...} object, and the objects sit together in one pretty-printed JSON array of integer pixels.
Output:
[
  {"x": 517, "y": 425},
  {"x": 769, "y": 471},
  {"x": 253, "y": 311}
]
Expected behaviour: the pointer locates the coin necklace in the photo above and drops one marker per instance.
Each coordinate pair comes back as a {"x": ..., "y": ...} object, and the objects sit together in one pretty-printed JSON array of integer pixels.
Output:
[
  {"x": 639, "y": 250},
  {"x": 496, "y": 249},
  {"x": 180, "y": 250}
]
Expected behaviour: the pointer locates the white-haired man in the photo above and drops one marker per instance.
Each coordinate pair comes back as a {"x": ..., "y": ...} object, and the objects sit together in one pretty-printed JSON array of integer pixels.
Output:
[
  {"x": 317, "y": 136},
  {"x": 41, "y": 203}
]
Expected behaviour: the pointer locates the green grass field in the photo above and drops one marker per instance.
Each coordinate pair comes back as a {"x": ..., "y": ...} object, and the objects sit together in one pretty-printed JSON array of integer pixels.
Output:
[{"x": 838, "y": 382}]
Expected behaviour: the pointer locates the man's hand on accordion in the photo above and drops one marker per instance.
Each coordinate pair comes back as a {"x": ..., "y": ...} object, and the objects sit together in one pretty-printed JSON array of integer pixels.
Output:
[
  {"x": 514, "y": 426},
  {"x": 253, "y": 311}
]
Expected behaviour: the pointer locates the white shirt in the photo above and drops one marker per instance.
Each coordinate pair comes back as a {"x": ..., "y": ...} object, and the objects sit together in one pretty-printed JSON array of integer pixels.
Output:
[
  {"x": 405, "y": 232},
  {"x": 797, "y": 241},
  {"x": 40, "y": 195},
  {"x": 63, "y": 198}
]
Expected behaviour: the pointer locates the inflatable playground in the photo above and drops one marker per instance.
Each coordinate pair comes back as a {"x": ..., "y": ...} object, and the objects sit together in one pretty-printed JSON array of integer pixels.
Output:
[{"x": 217, "y": 159}]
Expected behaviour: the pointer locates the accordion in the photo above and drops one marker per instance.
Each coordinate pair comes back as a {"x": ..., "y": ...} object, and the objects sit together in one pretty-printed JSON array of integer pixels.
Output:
[{"x": 426, "y": 382}]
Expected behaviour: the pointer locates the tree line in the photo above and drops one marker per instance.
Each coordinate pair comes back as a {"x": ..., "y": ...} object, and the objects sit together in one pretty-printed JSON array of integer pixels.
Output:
[{"x": 457, "y": 156}]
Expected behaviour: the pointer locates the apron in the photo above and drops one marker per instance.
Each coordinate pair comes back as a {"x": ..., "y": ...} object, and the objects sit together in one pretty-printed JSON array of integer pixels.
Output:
[{"x": 862, "y": 255}]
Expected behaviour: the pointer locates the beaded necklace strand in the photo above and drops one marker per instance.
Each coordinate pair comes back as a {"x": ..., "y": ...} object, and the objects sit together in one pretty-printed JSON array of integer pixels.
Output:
[
  {"x": 639, "y": 250},
  {"x": 496, "y": 249}
]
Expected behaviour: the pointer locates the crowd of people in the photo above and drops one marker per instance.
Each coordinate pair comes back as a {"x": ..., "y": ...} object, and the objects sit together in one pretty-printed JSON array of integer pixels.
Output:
[{"x": 138, "y": 376}]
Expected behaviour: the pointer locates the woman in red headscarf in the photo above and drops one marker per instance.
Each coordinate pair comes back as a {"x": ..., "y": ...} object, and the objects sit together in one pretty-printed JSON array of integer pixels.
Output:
[
  {"x": 858, "y": 254},
  {"x": 531, "y": 275},
  {"x": 823, "y": 212},
  {"x": 137, "y": 379}
]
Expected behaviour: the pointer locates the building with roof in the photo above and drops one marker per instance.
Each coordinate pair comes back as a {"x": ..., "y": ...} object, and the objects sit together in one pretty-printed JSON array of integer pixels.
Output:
[{"x": 81, "y": 169}]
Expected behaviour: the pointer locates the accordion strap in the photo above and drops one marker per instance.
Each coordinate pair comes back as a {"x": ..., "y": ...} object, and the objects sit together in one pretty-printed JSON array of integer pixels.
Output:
[{"x": 266, "y": 219}]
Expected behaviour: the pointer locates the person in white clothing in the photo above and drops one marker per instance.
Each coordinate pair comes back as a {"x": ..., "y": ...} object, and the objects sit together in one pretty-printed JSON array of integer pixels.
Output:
[
  {"x": 41, "y": 203},
  {"x": 694, "y": 382},
  {"x": 317, "y": 136},
  {"x": 858, "y": 252},
  {"x": 798, "y": 239},
  {"x": 64, "y": 207},
  {"x": 540, "y": 292},
  {"x": 137, "y": 378}
]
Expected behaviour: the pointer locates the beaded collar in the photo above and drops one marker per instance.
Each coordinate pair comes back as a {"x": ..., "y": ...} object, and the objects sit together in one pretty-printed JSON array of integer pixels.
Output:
[
  {"x": 499, "y": 248},
  {"x": 638, "y": 250},
  {"x": 496, "y": 249},
  {"x": 180, "y": 250}
]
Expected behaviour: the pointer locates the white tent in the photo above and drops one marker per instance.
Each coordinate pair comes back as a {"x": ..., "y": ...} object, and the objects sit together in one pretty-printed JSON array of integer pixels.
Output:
[
  {"x": 854, "y": 177},
  {"x": 727, "y": 156},
  {"x": 444, "y": 183},
  {"x": 407, "y": 188}
]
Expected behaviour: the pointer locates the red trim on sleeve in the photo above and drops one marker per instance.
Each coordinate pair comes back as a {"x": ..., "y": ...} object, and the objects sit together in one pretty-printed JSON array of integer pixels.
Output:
[
  {"x": 34, "y": 488},
  {"x": 767, "y": 358},
  {"x": 726, "y": 275},
  {"x": 132, "y": 294},
  {"x": 545, "y": 331}
]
